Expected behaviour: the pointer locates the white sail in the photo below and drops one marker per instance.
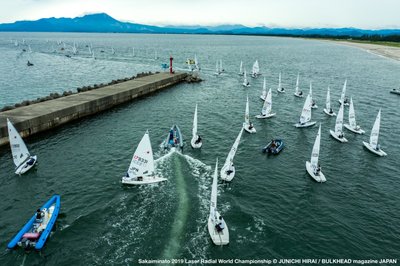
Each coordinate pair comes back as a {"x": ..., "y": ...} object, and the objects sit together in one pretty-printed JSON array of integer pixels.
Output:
[
  {"x": 306, "y": 112},
  {"x": 217, "y": 68},
  {"x": 339, "y": 121},
  {"x": 373, "y": 140},
  {"x": 133, "y": 51},
  {"x": 328, "y": 100},
  {"x": 142, "y": 161},
  {"x": 280, "y": 82},
  {"x": 343, "y": 95},
  {"x": 310, "y": 93},
  {"x": 241, "y": 68},
  {"x": 245, "y": 78},
  {"x": 256, "y": 69},
  {"x": 297, "y": 84},
  {"x": 220, "y": 66},
  {"x": 213, "y": 201},
  {"x": 247, "y": 112},
  {"x": 232, "y": 152},
  {"x": 267, "y": 107},
  {"x": 19, "y": 150},
  {"x": 194, "y": 131},
  {"x": 315, "y": 150},
  {"x": 352, "y": 115},
  {"x": 264, "y": 91},
  {"x": 196, "y": 62},
  {"x": 112, "y": 50}
]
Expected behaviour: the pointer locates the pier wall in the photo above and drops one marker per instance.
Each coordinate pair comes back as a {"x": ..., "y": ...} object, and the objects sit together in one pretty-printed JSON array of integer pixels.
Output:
[{"x": 39, "y": 117}]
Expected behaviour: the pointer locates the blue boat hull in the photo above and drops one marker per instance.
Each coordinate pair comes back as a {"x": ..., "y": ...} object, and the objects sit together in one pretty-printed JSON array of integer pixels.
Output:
[
  {"x": 274, "y": 150},
  {"x": 46, "y": 232}
]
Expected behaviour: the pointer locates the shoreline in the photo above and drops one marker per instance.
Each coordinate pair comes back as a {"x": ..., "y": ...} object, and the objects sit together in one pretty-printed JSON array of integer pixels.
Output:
[{"x": 377, "y": 49}]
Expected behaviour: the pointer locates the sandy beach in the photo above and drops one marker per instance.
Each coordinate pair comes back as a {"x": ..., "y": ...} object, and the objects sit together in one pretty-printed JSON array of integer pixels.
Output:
[{"x": 381, "y": 50}]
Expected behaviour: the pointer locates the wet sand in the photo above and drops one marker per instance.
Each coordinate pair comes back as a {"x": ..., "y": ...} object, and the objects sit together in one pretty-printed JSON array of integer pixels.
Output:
[{"x": 381, "y": 50}]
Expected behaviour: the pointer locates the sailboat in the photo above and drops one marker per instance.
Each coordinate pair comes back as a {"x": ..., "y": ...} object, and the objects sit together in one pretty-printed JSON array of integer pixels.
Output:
[
  {"x": 228, "y": 170},
  {"x": 373, "y": 145},
  {"x": 196, "y": 141},
  {"x": 264, "y": 91},
  {"x": 352, "y": 126},
  {"x": 241, "y": 73},
  {"x": 256, "y": 70},
  {"x": 305, "y": 117},
  {"x": 221, "y": 69},
  {"x": 245, "y": 83},
  {"x": 22, "y": 158},
  {"x": 217, "y": 227},
  {"x": 313, "y": 104},
  {"x": 312, "y": 167},
  {"x": 196, "y": 63},
  {"x": 338, "y": 133},
  {"x": 133, "y": 51},
  {"x": 343, "y": 98},
  {"x": 217, "y": 69},
  {"x": 247, "y": 125},
  {"x": 280, "y": 88},
  {"x": 266, "y": 110},
  {"x": 141, "y": 169},
  {"x": 298, "y": 92},
  {"x": 328, "y": 109}
]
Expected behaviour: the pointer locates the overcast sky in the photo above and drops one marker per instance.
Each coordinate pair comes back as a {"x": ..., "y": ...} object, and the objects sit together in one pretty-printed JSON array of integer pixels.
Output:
[{"x": 368, "y": 14}]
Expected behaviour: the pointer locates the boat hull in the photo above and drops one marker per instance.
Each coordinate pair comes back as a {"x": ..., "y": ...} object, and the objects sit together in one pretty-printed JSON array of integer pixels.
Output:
[
  {"x": 280, "y": 90},
  {"x": 345, "y": 104},
  {"x": 245, "y": 85},
  {"x": 25, "y": 167},
  {"x": 359, "y": 131},
  {"x": 146, "y": 180},
  {"x": 371, "y": 149},
  {"x": 263, "y": 97},
  {"x": 53, "y": 201},
  {"x": 218, "y": 238},
  {"x": 246, "y": 128},
  {"x": 298, "y": 95},
  {"x": 227, "y": 177},
  {"x": 327, "y": 112},
  {"x": 333, "y": 134},
  {"x": 279, "y": 147},
  {"x": 265, "y": 116},
  {"x": 308, "y": 124},
  {"x": 196, "y": 145},
  {"x": 314, "y": 106},
  {"x": 319, "y": 178}
]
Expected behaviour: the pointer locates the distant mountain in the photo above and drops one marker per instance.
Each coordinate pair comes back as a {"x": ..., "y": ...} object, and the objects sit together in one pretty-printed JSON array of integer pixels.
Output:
[{"x": 104, "y": 23}]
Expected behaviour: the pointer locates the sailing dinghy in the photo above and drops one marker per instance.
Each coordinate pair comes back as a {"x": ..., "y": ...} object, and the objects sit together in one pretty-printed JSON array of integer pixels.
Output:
[
  {"x": 247, "y": 125},
  {"x": 305, "y": 117},
  {"x": 298, "y": 92},
  {"x": 141, "y": 169},
  {"x": 245, "y": 83},
  {"x": 266, "y": 111},
  {"x": 313, "y": 168},
  {"x": 256, "y": 70},
  {"x": 264, "y": 91},
  {"x": 22, "y": 158},
  {"x": 338, "y": 133},
  {"x": 228, "y": 170},
  {"x": 373, "y": 145},
  {"x": 217, "y": 227},
  {"x": 196, "y": 141},
  {"x": 313, "y": 103},
  {"x": 328, "y": 108},
  {"x": 241, "y": 72},
  {"x": 36, "y": 231},
  {"x": 280, "y": 88},
  {"x": 352, "y": 125},
  {"x": 343, "y": 98}
]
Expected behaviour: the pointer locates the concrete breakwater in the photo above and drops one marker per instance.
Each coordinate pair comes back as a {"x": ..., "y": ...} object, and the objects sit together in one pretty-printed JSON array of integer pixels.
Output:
[{"x": 46, "y": 115}]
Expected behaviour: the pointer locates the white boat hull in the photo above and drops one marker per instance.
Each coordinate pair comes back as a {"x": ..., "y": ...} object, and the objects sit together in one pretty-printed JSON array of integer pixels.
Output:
[
  {"x": 371, "y": 149},
  {"x": 345, "y": 104},
  {"x": 218, "y": 238},
  {"x": 246, "y": 127},
  {"x": 319, "y": 178},
  {"x": 308, "y": 124},
  {"x": 280, "y": 91},
  {"x": 225, "y": 176},
  {"x": 333, "y": 134},
  {"x": 196, "y": 145},
  {"x": 262, "y": 97},
  {"x": 314, "y": 106},
  {"x": 25, "y": 167},
  {"x": 330, "y": 114},
  {"x": 265, "y": 116},
  {"x": 298, "y": 95},
  {"x": 144, "y": 181},
  {"x": 246, "y": 85},
  {"x": 357, "y": 131}
]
